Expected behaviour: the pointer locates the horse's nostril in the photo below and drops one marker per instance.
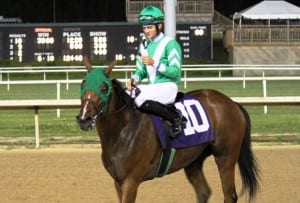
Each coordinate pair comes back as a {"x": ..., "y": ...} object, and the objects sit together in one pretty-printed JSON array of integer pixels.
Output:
[
  {"x": 86, "y": 123},
  {"x": 80, "y": 118}
]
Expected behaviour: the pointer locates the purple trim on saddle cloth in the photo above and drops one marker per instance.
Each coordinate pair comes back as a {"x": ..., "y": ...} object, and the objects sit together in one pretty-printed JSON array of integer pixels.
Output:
[{"x": 198, "y": 130}]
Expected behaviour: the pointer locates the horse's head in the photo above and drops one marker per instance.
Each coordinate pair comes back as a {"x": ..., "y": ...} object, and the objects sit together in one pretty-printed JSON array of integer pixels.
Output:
[{"x": 95, "y": 95}]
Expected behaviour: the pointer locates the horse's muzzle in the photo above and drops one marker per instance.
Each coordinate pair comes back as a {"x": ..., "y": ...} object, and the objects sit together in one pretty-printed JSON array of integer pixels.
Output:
[{"x": 85, "y": 124}]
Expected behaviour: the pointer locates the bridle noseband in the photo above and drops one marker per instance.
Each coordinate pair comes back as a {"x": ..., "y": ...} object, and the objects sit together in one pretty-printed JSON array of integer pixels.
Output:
[{"x": 99, "y": 110}]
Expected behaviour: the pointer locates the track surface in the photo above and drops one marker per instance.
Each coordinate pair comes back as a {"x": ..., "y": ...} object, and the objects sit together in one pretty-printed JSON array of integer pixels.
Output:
[{"x": 77, "y": 175}]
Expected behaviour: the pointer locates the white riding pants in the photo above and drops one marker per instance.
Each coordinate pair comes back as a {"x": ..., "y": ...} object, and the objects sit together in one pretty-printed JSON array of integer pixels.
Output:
[{"x": 164, "y": 93}]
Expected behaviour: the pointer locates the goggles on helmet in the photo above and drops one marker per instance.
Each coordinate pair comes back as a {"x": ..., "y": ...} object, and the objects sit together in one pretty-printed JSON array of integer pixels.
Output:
[{"x": 148, "y": 19}]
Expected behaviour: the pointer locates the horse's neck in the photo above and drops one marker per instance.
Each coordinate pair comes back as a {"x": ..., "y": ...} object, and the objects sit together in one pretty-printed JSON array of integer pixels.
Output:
[
  {"x": 119, "y": 122},
  {"x": 119, "y": 132}
]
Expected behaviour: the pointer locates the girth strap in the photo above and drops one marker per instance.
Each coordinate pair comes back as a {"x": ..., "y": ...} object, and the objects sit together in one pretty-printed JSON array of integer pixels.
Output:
[{"x": 167, "y": 155}]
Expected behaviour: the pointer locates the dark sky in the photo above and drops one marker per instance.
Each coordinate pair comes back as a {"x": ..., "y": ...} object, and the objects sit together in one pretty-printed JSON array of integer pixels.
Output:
[{"x": 41, "y": 11}]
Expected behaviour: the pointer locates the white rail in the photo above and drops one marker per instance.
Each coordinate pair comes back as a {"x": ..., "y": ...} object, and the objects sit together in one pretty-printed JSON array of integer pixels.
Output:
[
  {"x": 58, "y": 83},
  {"x": 128, "y": 69},
  {"x": 75, "y": 103},
  {"x": 36, "y": 105}
]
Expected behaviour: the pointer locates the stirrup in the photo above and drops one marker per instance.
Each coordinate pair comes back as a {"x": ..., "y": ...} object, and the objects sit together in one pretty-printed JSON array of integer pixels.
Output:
[{"x": 178, "y": 125}]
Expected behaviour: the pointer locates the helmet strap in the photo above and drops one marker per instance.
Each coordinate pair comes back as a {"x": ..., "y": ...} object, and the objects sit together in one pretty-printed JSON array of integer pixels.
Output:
[{"x": 157, "y": 28}]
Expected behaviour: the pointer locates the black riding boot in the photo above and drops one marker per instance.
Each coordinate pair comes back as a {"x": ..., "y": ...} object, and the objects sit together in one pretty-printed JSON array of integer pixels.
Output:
[{"x": 166, "y": 112}]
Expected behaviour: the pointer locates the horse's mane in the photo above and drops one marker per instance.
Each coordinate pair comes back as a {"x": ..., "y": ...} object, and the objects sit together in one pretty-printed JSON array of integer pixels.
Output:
[{"x": 120, "y": 91}]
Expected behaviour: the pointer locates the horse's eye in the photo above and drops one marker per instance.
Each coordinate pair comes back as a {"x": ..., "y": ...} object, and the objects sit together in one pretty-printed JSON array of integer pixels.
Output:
[{"x": 103, "y": 88}]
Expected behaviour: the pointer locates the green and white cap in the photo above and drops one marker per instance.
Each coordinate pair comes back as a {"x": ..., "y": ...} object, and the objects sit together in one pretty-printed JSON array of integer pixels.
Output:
[{"x": 151, "y": 15}]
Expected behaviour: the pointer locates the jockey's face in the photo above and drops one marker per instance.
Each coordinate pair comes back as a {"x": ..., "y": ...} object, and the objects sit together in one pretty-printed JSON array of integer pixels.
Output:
[{"x": 150, "y": 30}]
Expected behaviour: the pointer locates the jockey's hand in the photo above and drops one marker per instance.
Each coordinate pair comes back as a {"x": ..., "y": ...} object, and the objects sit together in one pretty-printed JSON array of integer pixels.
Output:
[
  {"x": 130, "y": 85},
  {"x": 147, "y": 60}
]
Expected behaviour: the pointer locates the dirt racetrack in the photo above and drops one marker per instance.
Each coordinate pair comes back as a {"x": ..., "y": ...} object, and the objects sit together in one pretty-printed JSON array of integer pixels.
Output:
[{"x": 77, "y": 175}]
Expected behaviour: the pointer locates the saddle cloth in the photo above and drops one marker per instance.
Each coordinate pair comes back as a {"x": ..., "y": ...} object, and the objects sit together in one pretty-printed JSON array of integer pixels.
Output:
[{"x": 198, "y": 128}]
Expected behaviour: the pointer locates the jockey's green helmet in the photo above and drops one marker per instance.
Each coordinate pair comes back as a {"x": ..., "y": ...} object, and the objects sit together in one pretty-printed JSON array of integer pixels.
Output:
[{"x": 151, "y": 15}]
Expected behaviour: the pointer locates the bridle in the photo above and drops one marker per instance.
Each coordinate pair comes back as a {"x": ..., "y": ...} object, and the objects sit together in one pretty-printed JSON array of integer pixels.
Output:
[{"x": 100, "y": 110}]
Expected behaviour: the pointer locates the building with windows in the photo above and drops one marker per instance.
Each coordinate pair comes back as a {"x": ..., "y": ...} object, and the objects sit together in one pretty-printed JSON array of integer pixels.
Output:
[
  {"x": 201, "y": 11},
  {"x": 265, "y": 33}
]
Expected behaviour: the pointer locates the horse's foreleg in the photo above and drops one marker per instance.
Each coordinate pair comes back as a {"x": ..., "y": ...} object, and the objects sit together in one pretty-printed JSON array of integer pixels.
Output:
[
  {"x": 127, "y": 191},
  {"x": 196, "y": 177},
  {"x": 227, "y": 172},
  {"x": 119, "y": 191}
]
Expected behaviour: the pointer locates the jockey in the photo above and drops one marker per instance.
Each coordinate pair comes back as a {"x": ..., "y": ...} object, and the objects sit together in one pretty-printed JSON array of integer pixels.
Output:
[{"x": 159, "y": 60}]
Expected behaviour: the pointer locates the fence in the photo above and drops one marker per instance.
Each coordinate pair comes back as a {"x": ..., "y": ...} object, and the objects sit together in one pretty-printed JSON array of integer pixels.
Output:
[
  {"x": 266, "y": 35},
  {"x": 128, "y": 69},
  {"x": 75, "y": 103},
  {"x": 219, "y": 68}
]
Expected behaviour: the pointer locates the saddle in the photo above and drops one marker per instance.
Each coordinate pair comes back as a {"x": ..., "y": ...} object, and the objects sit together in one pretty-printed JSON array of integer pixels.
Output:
[{"x": 197, "y": 130}]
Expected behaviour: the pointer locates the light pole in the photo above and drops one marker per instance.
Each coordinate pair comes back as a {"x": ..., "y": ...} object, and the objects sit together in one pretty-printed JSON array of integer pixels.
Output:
[
  {"x": 54, "y": 11},
  {"x": 170, "y": 18}
]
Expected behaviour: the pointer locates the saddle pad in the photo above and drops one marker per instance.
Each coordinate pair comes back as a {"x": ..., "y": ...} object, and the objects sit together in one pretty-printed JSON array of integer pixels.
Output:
[{"x": 198, "y": 128}]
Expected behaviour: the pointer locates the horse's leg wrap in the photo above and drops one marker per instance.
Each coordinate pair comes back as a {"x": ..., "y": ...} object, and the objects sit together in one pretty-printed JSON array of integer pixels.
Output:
[{"x": 166, "y": 112}]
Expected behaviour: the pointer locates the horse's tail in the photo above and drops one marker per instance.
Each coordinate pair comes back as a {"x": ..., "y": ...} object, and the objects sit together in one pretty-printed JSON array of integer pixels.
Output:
[{"x": 249, "y": 168}]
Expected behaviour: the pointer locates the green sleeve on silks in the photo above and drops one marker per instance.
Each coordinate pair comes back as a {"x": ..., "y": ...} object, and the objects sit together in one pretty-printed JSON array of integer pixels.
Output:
[
  {"x": 140, "y": 72},
  {"x": 171, "y": 61},
  {"x": 168, "y": 65}
]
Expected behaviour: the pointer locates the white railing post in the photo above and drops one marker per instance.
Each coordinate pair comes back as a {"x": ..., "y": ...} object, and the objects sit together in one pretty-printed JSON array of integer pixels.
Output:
[
  {"x": 264, "y": 81},
  {"x": 67, "y": 80},
  {"x": 8, "y": 86},
  {"x": 58, "y": 98},
  {"x": 220, "y": 71},
  {"x": 37, "y": 130},
  {"x": 244, "y": 79},
  {"x": 185, "y": 75}
]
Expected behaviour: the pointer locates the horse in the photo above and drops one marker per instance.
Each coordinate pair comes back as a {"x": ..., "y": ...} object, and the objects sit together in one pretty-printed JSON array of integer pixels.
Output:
[{"x": 131, "y": 151}]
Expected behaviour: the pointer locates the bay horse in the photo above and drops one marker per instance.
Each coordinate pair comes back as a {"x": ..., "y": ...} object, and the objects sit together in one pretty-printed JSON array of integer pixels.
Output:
[{"x": 131, "y": 150}]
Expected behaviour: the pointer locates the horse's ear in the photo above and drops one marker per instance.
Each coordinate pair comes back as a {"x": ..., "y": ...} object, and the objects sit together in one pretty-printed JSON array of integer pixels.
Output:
[
  {"x": 86, "y": 63},
  {"x": 109, "y": 68}
]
